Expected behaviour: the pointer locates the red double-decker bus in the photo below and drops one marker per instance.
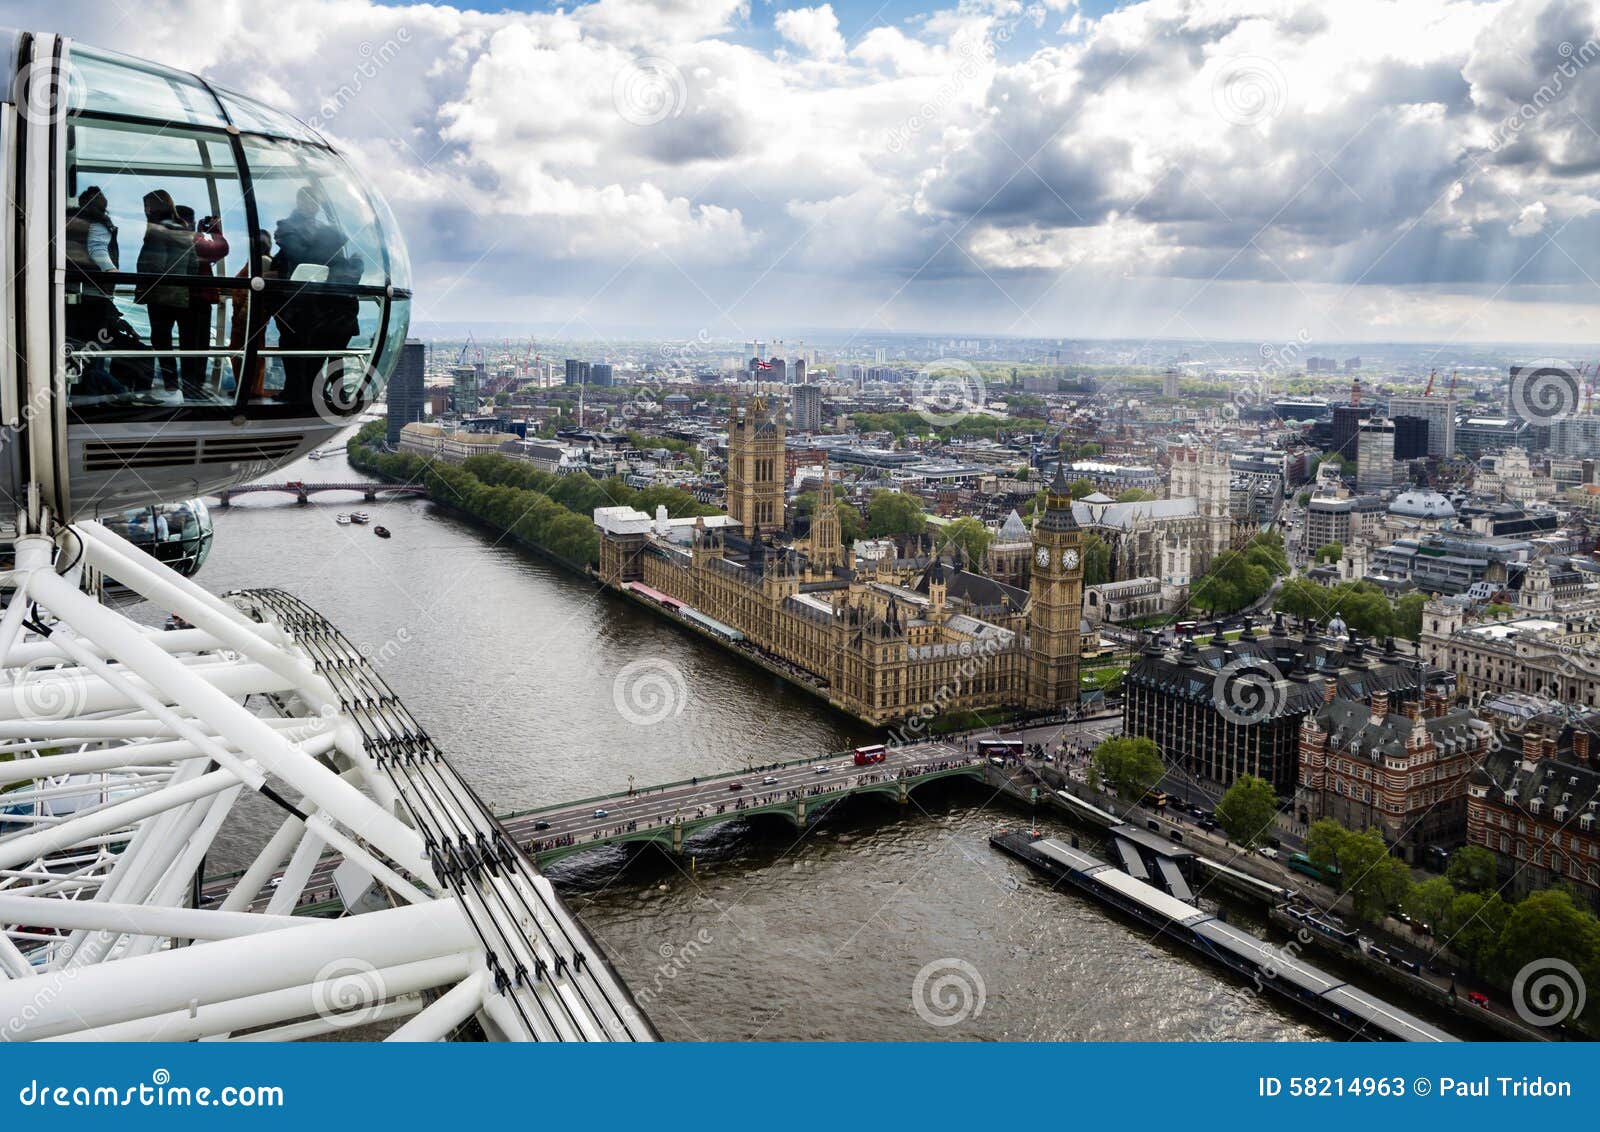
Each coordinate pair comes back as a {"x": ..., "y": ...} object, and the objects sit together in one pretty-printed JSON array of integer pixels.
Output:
[{"x": 877, "y": 753}]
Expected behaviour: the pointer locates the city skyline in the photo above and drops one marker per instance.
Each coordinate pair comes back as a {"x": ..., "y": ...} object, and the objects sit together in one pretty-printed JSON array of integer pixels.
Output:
[{"x": 1404, "y": 172}]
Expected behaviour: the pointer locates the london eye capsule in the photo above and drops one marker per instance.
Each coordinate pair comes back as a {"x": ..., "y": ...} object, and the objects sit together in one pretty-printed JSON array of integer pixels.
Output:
[{"x": 202, "y": 289}]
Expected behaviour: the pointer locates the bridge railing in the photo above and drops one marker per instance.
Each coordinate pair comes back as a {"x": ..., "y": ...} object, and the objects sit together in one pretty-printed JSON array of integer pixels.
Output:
[{"x": 760, "y": 768}]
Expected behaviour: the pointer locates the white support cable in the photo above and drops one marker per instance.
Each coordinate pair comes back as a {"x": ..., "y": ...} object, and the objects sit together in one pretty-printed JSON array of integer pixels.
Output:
[
  {"x": 265, "y": 865},
  {"x": 121, "y": 560},
  {"x": 30, "y": 846},
  {"x": 267, "y": 1013},
  {"x": 301, "y": 865},
  {"x": 446, "y": 1012},
  {"x": 11, "y": 621},
  {"x": 180, "y": 874},
  {"x": 12, "y": 961},
  {"x": 128, "y": 749},
  {"x": 321, "y": 1026},
  {"x": 342, "y": 801},
  {"x": 139, "y": 919},
  {"x": 229, "y": 969},
  {"x": 354, "y": 851},
  {"x": 112, "y": 758}
]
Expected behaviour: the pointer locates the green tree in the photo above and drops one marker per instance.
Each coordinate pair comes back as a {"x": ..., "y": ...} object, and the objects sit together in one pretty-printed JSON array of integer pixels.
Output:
[
  {"x": 1473, "y": 869},
  {"x": 1472, "y": 929},
  {"x": 1375, "y": 880},
  {"x": 1324, "y": 839},
  {"x": 1130, "y": 766},
  {"x": 1429, "y": 903},
  {"x": 1134, "y": 495},
  {"x": 892, "y": 513},
  {"x": 1329, "y": 552},
  {"x": 1079, "y": 488},
  {"x": 1547, "y": 926},
  {"x": 1247, "y": 810},
  {"x": 1407, "y": 621},
  {"x": 970, "y": 535},
  {"x": 1498, "y": 610}
]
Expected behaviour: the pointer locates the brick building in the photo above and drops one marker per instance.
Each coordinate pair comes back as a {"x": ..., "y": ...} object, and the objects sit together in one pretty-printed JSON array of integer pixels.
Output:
[
  {"x": 1535, "y": 807},
  {"x": 1398, "y": 765}
]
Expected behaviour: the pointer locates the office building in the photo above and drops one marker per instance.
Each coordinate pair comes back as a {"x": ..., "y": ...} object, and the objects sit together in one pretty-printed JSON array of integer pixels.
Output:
[
  {"x": 1410, "y": 438},
  {"x": 1535, "y": 804},
  {"x": 1439, "y": 412},
  {"x": 406, "y": 403},
  {"x": 577, "y": 372},
  {"x": 1375, "y": 454},
  {"x": 1347, "y": 428},
  {"x": 464, "y": 386},
  {"x": 1479, "y": 435},
  {"x": 1224, "y": 709}
]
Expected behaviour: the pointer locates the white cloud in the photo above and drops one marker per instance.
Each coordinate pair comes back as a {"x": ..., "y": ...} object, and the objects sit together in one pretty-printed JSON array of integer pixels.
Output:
[
  {"x": 1272, "y": 145},
  {"x": 813, "y": 30},
  {"x": 1530, "y": 221}
]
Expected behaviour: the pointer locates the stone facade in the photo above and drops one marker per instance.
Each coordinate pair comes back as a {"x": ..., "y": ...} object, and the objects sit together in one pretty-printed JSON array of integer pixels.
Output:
[
  {"x": 754, "y": 478},
  {"x": 1550, "y": 654},
  {"x": 900, "y": 640}
]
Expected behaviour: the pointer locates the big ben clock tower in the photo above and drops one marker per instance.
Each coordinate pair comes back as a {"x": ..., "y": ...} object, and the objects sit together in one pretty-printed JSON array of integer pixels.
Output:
[{"x": 1055, "y": 609}]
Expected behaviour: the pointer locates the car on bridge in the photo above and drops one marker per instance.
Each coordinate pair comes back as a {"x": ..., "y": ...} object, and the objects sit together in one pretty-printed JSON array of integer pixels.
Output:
[
  {"x": 602, "y": 813},
  {"x": 735, "y": 786},
  {"x": 770, "y": 780}
]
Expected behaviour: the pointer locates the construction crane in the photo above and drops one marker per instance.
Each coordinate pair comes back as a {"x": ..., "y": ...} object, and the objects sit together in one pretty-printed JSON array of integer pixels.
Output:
[
  {"x": 1428, "y": 392},
  {"x": 466, "y": 347}
]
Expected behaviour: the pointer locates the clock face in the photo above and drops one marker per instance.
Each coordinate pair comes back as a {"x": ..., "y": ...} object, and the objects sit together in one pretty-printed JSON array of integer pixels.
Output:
[
  {"x": 1042, "y": 557},
  {"x": 1069, "y": 559}
]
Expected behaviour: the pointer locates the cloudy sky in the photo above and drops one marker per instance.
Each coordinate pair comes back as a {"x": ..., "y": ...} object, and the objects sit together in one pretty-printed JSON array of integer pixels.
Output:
[{"x": 1428, "y": 169}]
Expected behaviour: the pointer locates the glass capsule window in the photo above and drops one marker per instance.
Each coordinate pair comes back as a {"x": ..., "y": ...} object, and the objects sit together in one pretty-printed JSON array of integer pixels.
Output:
[
  {"x": 177, "y": 534},
  {"x": 219, "y": 258}
]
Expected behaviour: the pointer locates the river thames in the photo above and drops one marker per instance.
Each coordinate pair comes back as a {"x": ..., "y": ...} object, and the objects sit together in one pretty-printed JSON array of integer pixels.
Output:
[{"x": 878, "y": 923}]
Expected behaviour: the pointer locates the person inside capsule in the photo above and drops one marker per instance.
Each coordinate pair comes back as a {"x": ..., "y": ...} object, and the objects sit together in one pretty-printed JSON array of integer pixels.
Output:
[{"x": 222, "y": 261}]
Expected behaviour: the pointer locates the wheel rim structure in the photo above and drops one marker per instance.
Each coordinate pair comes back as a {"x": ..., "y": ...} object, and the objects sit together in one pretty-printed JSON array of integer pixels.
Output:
[{"x": 128, "y": 753}]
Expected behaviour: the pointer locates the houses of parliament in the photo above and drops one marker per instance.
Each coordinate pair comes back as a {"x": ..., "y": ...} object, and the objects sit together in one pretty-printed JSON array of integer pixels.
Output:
[{"x": 885, "y": 641}]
